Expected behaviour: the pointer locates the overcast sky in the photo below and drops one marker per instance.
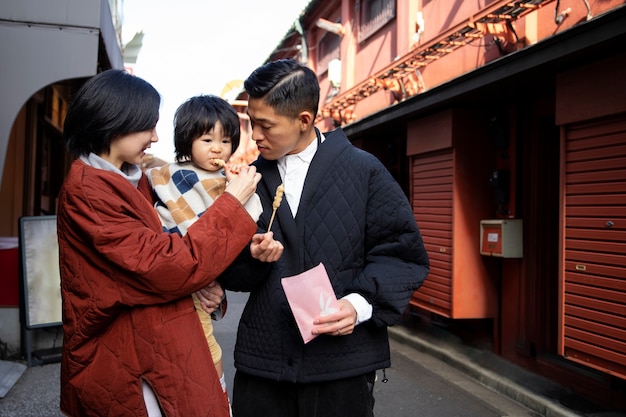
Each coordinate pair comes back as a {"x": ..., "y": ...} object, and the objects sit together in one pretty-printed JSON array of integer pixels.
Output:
[{"x": 195, "y": 47}]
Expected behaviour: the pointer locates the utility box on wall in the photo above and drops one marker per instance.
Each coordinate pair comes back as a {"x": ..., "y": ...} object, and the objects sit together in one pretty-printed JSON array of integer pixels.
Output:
[{"x": 501, "y": 238}]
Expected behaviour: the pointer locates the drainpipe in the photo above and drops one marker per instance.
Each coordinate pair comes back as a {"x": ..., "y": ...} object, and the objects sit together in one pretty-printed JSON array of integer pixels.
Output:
[{"x": 304, "y": 50}]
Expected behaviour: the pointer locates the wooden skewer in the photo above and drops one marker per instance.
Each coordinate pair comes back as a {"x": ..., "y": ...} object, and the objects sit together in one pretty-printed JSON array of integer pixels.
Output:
[{"x": 278, "y": 198}]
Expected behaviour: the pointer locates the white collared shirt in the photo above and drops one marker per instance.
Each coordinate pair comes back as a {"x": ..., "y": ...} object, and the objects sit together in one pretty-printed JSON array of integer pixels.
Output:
[{"x": 293, "y": 170}]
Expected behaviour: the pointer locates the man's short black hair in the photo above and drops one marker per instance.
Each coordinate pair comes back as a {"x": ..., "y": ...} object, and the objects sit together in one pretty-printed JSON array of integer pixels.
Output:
[{"x": 286, "y": 86}]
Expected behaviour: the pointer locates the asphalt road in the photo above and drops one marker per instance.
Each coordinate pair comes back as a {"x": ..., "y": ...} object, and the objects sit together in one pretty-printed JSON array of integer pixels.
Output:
[{"x": 418, "y": 384}]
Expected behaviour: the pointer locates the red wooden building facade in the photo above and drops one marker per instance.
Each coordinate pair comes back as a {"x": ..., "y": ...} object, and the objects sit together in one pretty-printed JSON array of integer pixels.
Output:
[{"x": 505, "y": 123}]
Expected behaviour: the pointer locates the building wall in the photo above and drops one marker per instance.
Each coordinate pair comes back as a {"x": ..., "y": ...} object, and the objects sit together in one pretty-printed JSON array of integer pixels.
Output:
[
  {"x": 12, "y": 186},
  {"x": 522, "y": 317},
  {"x": 54, "y": 46}
]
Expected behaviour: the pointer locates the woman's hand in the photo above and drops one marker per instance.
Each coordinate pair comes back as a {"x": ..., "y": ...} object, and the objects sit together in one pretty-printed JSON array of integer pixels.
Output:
[
  {"x": 243, "y": 185},
  {"x": 265, "y": 248},
  {"x": 211, "y": 297}
]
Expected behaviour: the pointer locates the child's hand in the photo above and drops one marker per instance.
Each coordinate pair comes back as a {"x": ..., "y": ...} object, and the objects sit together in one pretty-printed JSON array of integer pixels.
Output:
[
  {"x": 233, "y": 169},
  {"x": 265, "y": 248}
]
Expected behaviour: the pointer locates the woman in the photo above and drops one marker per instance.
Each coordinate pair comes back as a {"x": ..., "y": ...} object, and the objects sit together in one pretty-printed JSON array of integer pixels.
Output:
[{"x": 133, "y": 344}]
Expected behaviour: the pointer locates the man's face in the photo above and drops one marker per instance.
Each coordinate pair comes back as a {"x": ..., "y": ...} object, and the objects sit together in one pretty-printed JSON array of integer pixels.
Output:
[{"x": 275, "y": 135}]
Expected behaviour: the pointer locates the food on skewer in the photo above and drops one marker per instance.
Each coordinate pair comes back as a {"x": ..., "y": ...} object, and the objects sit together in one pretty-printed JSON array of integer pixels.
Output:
[{"x": 278, "y": 198}]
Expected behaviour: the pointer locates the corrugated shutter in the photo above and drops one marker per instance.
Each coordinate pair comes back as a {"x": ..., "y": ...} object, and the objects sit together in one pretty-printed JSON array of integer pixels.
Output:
[
  {"x": 593, "y": 310},
  {"x": 432, "y": 184}
]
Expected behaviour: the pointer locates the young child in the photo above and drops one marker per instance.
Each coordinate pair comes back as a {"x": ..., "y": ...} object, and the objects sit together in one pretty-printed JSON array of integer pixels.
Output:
[{"x": 206, "y": 133}]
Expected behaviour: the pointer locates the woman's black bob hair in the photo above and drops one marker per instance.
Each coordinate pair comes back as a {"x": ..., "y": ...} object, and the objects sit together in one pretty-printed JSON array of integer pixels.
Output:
[{"x": 108, "y": 105}]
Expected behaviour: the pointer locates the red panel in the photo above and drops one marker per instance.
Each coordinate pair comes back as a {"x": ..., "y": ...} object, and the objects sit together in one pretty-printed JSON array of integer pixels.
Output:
[
  {"x": 614, "y": 336},
  {"x": 9, "y": 278},
  {"x": 492, "y": 239},
  {"x": 432, "y": 199},
  {"x": 593, "y": 285},
  {"x": 450, "y": 196}
]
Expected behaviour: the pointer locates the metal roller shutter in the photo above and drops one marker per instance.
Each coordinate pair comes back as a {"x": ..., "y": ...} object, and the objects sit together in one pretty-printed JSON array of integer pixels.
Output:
[{"x": 593, "y": 282}]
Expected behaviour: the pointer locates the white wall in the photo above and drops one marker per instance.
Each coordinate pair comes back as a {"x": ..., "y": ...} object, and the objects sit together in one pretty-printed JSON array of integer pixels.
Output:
[{"x": 46, "y": 41}]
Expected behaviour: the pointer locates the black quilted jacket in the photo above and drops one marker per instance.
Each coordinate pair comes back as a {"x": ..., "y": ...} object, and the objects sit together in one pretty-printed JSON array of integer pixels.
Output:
[{"x": 354, "y": 218}]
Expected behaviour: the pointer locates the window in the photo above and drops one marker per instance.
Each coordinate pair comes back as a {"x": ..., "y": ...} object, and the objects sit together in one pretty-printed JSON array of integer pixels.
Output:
[
  {"x": 328, "y": 49},
  {"x": 373, "y": 15}
]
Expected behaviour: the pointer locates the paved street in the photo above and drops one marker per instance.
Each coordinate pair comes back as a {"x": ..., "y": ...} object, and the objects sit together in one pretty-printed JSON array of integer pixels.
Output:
[{"x": 418, "y": 384}]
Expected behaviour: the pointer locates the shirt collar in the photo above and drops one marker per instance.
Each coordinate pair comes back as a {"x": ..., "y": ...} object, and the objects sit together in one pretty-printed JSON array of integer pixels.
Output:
[
  {"x": 306, "y": 155},
  {"x": 131, "y": 172}
]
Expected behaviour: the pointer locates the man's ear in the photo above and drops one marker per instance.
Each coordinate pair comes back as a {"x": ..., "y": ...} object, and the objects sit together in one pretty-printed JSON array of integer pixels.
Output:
[{"x": 306, "y": 120}]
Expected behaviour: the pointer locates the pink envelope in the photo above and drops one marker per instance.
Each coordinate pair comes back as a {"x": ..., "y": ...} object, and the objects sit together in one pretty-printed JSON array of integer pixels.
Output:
[{"x": 310, "y": 295}]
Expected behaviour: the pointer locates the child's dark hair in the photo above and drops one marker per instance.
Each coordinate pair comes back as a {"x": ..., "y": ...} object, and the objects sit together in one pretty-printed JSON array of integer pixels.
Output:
[
  {"x": 286, "y": 86},
  {"x": 108, "y": 105},
  {"x": 198, "y": 116}
]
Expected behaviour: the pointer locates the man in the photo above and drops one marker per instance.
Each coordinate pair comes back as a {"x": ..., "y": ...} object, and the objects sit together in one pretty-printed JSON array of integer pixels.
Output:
[{"x": 342, "y": 208}]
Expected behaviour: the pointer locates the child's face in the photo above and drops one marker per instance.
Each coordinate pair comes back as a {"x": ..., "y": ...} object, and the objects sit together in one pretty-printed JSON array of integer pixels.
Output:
[
  {"x": 130, "y": 148},
  {"x": 208, "y": 149}
]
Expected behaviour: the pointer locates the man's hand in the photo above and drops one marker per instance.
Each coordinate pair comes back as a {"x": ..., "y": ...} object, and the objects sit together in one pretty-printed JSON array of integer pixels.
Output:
[
  {"x": 265, "y": 248},
  {"x": 337, "y": 324}
]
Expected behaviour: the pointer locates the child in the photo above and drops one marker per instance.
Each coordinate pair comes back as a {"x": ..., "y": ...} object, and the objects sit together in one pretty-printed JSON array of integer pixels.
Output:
[
  {"x": 206, "y": 133},
  {"x": 131, "y": 343}
]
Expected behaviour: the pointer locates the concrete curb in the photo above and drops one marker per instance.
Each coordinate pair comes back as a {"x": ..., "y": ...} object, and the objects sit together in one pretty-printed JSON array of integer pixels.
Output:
[
  {"x": 446, "y": 352},
  {"x": 10, "y": 372}
]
